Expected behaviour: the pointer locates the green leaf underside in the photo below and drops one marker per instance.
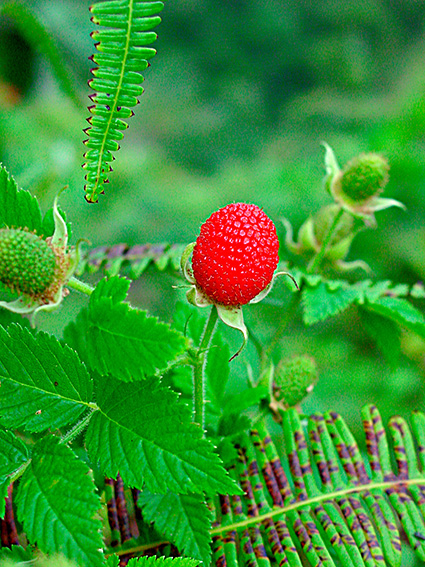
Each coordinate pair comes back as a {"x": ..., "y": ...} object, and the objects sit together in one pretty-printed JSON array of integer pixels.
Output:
[
  {"x": 184, "y": 519},
  {"x": 126, "y": 342},
  {"x": 327, "y": 509},
  {"x": 43, "y": 383},
  {"x": 13, "y": 454},
  {"x": 58, "y": 506},
  {"x": 18, "y": 208},
  {"x": 142, "y": 431},
  {"x": 121, "y": 57},
  {"x": 400, "y": 311}
]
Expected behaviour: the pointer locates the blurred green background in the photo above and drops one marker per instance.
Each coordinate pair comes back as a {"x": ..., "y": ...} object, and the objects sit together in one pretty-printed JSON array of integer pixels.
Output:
[{"x": 237, "y": 101}]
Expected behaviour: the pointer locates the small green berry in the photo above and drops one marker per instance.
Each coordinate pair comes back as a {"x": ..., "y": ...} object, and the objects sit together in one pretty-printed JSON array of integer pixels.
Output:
[
  {"x": 364, "y": 176},
  {"x": 27, "y": 262},
  {"x": 294, "y": 379}
]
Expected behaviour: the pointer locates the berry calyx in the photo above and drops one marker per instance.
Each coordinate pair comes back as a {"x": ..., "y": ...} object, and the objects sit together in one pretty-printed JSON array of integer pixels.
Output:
[
  {"x": 27, "y": 263},
  {"x": 235, "y": 254}
]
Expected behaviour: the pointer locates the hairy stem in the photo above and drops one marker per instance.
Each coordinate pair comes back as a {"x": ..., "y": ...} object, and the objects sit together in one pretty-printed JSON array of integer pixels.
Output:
[
  {"x": 199, "y": 369},
  {"x": 317, "y": 260},
  {"x": 80, "y": 286}
]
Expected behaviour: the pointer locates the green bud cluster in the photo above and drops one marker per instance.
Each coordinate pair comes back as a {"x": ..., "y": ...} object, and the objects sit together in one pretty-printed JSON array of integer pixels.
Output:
[
  {"x": 27, "y": 262},
  {"x": 364, "y": 176},
  {"x": 294, "y": 379}
]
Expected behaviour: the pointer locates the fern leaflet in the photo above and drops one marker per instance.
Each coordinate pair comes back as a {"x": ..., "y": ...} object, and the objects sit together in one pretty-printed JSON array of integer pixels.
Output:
[
  {"x": 327, "y": 509},
  {"x": 122, "y": 57}
]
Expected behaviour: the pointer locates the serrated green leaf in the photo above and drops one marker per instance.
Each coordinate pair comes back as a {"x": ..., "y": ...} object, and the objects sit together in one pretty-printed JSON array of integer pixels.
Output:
[
  {"x": 126, "y": 342},
  {"x": 58, "y": 506},
  {"x": 13, "y": 454},
  {"x": 324, "y": 301},
  {"x": 183, "y": 519},
  {"x": 113, "y": 561},
  {"x": 18, "y": 208},
  {"x": 43, "y": 383},
  {"x": 163, "y": 562},
  {"x": 142, "y": 431},
  {"x": 400, "y": 311},
  {"x": 15, "y": 555},
  {"x": 385, "y": 332}
]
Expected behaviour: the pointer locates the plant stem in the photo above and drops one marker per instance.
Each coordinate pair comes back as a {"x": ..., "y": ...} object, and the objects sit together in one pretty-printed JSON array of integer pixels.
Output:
[
  {"x": 80, "y": 286},
  {"x": 199, "y": 369},
  {"x": 317, "y": 260}
]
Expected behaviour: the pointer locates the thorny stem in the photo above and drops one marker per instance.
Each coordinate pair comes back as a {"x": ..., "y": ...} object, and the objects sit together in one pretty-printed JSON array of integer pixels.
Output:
[
  {"x": 317, "y": 260},
  {"x": 199, "y": 369},
  {"x": 80, "y": 286}
]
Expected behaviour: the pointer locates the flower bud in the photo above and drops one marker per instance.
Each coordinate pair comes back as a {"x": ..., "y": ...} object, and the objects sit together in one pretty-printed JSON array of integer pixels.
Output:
[
  {"x": 294, "y": 379},
  {"x": 364, "y": 177},
  {"x": 27, "y": 262}
]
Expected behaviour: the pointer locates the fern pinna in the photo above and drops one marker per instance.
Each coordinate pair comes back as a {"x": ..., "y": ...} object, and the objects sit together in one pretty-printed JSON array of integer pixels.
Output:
[
  {"x": 333, "y": 508},
  {"x": 122, "y": 57}
]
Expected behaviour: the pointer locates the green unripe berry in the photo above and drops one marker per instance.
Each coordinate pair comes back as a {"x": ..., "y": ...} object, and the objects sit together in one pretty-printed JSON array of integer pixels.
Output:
[
  {"x": 27, "y": 263},
  {"x": 364, "y": 176},
  {"x": 294, "y": 379}
]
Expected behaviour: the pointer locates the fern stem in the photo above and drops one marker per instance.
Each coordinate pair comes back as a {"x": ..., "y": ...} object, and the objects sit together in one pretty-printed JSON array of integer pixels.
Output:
[
  {"x": 318, "y": 258},
  {"x": 80, "y": 286},
  {"x": 328, "y": 497},
  {"x": 199, "y": 369}
]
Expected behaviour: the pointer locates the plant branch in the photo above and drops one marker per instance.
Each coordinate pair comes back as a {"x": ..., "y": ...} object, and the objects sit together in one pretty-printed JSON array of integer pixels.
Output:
[
  {"x": 318, "y": 258},
  {"x": 80, "y": 286}
]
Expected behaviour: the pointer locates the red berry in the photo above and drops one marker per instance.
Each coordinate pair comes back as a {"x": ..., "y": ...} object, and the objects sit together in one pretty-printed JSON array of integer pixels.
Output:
[{"x": 236, "y": 254}]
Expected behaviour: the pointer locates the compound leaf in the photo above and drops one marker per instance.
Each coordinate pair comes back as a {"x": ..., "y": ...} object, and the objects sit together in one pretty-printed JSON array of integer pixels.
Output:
[
  {"x": 58, "y": 506},
  {"x": 126, "y": 342},
  {"x": 43, "y": 383},
  {"x": 184, "y": 519},
  {"x": 142, "y": 431}
]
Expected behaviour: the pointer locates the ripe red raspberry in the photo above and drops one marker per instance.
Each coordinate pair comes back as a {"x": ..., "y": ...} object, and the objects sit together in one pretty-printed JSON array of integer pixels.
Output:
[{"x": 236, "y": 254}]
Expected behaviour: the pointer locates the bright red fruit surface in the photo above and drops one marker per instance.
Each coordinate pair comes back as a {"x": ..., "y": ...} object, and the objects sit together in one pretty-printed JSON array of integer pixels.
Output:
[{"x": 236, "y": 254}]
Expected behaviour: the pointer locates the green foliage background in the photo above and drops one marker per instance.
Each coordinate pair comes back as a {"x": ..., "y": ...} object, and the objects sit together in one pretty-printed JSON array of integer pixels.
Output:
[{"x": 238, "y": 99}]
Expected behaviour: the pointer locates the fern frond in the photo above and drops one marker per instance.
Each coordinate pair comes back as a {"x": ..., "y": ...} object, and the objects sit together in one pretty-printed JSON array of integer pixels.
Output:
[
  {"x": 122, "y": 57},
  {"x": 328, "y": 507},
  {"x": 120, "y": 258}
]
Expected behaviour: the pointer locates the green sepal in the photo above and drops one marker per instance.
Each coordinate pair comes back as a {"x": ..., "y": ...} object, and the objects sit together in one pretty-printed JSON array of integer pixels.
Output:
[{"x": 232, "y": 316}]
